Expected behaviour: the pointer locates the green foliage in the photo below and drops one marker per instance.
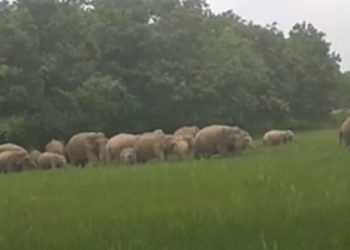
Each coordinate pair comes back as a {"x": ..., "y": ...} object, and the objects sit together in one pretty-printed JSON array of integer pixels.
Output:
[
  {"x": 342, "y": 93},
  {"x": 68, "y": 66},
  {"x": 292, "y": 197}
]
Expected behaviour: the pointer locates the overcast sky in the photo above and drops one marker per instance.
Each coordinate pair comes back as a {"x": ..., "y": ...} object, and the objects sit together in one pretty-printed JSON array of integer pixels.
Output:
[{"x": 330, "y": 16}]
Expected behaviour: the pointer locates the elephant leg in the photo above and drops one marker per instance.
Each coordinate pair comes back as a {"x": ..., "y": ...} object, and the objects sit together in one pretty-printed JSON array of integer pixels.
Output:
[
  {"x": 91, "y": 156},
  {"x": 347, "y": 143},
  {"x": 159, "y": 152},
  {"x": 161, "y": 156},
  {"x": 112, "y": 156}
]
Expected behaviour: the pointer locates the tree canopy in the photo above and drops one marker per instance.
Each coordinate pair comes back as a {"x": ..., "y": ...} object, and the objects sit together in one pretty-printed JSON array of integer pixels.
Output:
[{"x": 120, "y": 65}]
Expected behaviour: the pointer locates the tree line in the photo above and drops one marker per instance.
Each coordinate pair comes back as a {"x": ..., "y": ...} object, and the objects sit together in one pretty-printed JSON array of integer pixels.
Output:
[{"x": 118, "y": 65}]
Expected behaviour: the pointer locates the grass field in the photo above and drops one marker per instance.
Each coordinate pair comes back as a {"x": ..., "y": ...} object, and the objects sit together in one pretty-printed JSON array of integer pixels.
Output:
[{"x": 292, "y": 197}]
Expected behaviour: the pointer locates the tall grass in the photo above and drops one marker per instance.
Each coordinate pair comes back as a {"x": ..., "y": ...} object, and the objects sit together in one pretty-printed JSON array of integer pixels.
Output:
[{"x": 293, "y": 197}]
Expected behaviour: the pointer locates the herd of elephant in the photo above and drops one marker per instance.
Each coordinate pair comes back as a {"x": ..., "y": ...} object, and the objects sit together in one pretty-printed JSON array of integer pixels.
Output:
[{"x": 125, "y": 149}]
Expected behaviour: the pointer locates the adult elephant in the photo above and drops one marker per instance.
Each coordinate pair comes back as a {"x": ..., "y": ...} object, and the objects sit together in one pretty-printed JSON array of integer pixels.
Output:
[
  {"x": 344, "y": 133},
  {"x": 84, "y": 148},
  {"x": 153, "y": 146},
  {"x": 117, "y": 144},
  {"x": 15, "y": 161},
  {"x": 217, "y": 139},
  {"x": 55, "y": 146}
]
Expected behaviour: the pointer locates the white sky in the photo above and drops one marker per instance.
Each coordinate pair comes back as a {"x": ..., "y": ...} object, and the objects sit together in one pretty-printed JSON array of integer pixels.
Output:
[{"x": 330, "y": 16}]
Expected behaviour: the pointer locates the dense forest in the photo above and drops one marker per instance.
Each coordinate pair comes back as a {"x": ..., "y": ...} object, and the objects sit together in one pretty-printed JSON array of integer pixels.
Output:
[{"x": 121, "y": 65}]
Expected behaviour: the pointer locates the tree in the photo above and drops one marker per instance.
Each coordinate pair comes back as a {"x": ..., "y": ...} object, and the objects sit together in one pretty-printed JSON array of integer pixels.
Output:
[{"x": 132, "y": 66}]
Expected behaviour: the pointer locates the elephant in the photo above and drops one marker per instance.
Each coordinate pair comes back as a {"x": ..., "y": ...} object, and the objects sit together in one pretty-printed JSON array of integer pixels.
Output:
[
  {"x": 178, "y": 146},
  {"x": 55, "y": 146},
  {"x": 217, "y": 139},
  {"x": 187, "y": 130},
  {"x": 15, "y": 161},
  {"x": 84, "y": 148},
  {"x": 276, "y": 137},
  {"x": 152, "y": 146},
  {"x": 11, "y": 147},
  {"x": 181, "y": 148},
  {"x": 49, "y": 160},
  {"x": 128, "y": 156},
  {"x": 168, "y": 143},
  {"x": 34, "y": 154},
  {"x": 344, "y": 133},
  {"x": 190, "y": 141},
  {"x": 117, "y": 143}
]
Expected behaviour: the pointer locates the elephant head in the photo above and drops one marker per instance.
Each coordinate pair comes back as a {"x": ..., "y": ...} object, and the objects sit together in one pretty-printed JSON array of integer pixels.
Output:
[
  {"x": 128, "y": 156},
  {"x": 23, "y": 161},
  {"x": 231, "y": 138},
  {"x": 96, "y": 142},
  {"x": 289, "y": 135},
  {"x": 34, "y": 154},
  {"x": 245, "y": 141}
]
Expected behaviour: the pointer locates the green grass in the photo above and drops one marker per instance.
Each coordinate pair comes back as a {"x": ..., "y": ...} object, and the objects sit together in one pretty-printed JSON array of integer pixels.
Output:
[{"x": 293, "y": 197}]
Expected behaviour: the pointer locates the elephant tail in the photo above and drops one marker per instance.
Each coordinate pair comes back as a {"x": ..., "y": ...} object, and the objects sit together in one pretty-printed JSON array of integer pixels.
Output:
[{"x": 340, "y": 138}]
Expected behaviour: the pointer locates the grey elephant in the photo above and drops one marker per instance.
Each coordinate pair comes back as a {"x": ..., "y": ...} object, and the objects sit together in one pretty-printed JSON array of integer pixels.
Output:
[
  {"x": 34, "y": 154},
  {"x": 217, "y": 140},
  {"x": 84, "y": 148},
  {"x": 15, "y": 161},
  {"x": 187, "y": 131},
  {"x": 182, "y": 148},
  {"x": 179, "y": 147},
  {"x": 128, "y": 156},
  {"x": 11, "y": 147},
  {"x": 49, "y": 160},
  {"x": 344, "y": 133},
  {"x": 278, "y": 137},
  {"x": 117, "y": 143},
  {"x": 55, "y": 146},
  {"x": 152, "y": 146}
]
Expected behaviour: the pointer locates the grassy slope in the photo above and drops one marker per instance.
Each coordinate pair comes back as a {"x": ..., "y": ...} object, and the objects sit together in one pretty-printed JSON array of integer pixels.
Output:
[{"x": 293, "y": 197}]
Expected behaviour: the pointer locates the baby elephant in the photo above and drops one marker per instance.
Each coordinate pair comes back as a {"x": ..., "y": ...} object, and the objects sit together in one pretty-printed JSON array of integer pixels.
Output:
[
  {"x": 50, "y": 160},
  {"x": 128, "y": 156},
  {"x": 15, "y": 161},
  {"x": 278, "y": 137}
]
